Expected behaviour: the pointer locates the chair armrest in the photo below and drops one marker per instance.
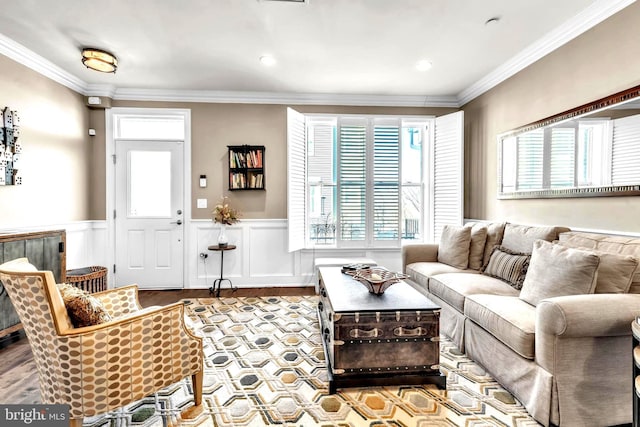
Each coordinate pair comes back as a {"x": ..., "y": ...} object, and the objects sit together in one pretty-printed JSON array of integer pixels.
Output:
[
  {"x": 129, "y": 357},
  {"x": 594, "y": 315},
  {"x": 426, "y": 252},
  {"x": 120, "y": 301}
]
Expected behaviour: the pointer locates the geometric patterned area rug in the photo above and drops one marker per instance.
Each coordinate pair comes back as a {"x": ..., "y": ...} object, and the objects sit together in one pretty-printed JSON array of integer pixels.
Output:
[{"x": 265, "y": 366}]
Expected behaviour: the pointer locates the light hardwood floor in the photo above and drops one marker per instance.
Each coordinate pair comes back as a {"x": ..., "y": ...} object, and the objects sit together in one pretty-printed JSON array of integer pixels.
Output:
[{"x": 18, "y": 376}]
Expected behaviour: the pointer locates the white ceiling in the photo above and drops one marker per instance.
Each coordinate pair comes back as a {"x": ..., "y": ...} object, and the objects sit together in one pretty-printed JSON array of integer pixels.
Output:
[{"x": 324, "y": 48}]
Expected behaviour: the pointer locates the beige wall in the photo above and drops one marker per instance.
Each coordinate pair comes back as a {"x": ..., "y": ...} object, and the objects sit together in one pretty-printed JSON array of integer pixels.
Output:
[
  {"x": 213, "y": 127},
  {"x": 602, "y": 61},
  {"x": 53, "y": 165}
]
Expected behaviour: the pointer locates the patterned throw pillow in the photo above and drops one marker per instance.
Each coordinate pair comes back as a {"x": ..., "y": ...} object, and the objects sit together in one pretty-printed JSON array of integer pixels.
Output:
[
  {"x": 508, "y": 266},
  {"x": 83, "y": 308}
]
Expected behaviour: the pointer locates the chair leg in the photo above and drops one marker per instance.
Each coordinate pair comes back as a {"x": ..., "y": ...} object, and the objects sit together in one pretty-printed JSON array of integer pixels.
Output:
[
  {"x": 197, "y": 381},
  {"x": 75, "y": 422}
]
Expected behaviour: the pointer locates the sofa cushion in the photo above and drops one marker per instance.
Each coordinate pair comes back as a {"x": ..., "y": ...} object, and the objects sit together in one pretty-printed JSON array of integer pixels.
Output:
[
  {"x": 495, "y": 231},
  {"x": 454, "y": 246},
  {"x": 520, "y": 238},
  {"x": 420, "y": 272},
  {"x": 555, "y": 270},
  {"x": 611, "y": 244},
  {"x": 476, "y": 248},
  {"x": 615, "y": 272},
  {"x": 453, "y": 288},
  {"x": 508, "y": 318},
  {"x": 508, "y": 266}
]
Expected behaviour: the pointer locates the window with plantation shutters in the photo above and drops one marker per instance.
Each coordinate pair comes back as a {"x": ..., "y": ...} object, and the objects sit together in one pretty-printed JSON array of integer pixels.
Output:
[
  {"x": 352, "y": 180},
  {"x": 562, "y": 162},
  {"x": 530, "y": 160},
  {"x": 367, "y": 179},
  {"x": 625, "y": 151}
]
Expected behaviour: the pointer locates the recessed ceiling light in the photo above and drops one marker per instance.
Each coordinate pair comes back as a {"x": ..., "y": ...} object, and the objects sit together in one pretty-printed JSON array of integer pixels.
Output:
[
  {"x": 267, "y": 60},
  {"x": 492, "y": 21},
  {"x": 424, "y": 65}
]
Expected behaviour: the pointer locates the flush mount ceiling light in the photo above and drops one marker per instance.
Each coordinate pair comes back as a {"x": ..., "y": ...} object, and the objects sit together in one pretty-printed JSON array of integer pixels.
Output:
[
  {"x": 267, "y": 60},
  {"x": 424, "y": 65},
  {"x": 99, "y": 60}
]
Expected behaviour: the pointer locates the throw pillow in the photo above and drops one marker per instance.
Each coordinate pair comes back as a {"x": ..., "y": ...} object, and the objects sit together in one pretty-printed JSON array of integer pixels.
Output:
[
  {"x": 615, "y": 272},
  {"x": 454, "y": 245},
  {"x": 555, "y": 270},
  {"x": 495, "y": 230},
  {"x": 508, "y": 266},
  {"x": 83, "y": 308},
  {"x": 476, "y": 248}
]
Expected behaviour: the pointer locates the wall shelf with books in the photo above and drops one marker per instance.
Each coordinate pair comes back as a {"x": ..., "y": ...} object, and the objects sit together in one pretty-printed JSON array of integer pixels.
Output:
[{"x": 246, "y": 167}]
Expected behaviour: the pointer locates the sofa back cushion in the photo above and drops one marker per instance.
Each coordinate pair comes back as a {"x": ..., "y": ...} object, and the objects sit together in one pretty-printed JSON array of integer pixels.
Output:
[
  {"x": 520, "y": 238},
  {"x": 495, "y": 231},
  {"x": 556, "y": 270},
  {"x": 454, "y": 246},
  {"x": 476, "y": 249},
  {"x": 603, "y": 243}
]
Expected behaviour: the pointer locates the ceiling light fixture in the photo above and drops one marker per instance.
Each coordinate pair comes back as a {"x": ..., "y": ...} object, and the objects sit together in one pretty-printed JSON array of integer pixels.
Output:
[
  {"x": 267, "y": 60},
  {"x": 99, "y": 60},
  {"x": 424, "y": 65}
]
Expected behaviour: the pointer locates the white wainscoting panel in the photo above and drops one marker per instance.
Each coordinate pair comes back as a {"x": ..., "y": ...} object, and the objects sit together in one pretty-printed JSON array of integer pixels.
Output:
[{"x": 268, "y": 256}]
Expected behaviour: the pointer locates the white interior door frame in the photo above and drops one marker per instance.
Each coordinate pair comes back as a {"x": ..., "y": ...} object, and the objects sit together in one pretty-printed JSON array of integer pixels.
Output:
[{"x": 110, "y": 151}]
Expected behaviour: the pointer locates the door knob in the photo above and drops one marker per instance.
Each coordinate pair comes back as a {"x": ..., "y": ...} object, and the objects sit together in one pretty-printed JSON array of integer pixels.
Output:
[{"x": 179, "y": 222}]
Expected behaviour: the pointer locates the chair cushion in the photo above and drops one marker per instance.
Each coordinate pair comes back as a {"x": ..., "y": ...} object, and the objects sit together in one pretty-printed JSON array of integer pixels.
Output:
[
  {"x": 508, "y": 266},
  {"x": 454, "y": 246},
  {"x": 420, "y": 272},
  {"x": 508, "y": 318},
  {"x": 556, "y": 270},
  {"x": 20, "y": 265},
  {"x": 453, "y": 288},
  {"x": 83, "y": 308}
]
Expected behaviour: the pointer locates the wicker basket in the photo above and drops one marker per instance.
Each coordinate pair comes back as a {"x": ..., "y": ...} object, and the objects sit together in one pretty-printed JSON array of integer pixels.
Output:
[{"x": 91, "y": 279}]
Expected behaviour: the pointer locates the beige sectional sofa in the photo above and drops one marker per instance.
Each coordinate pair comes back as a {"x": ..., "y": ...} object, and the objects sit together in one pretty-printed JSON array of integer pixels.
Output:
[{"x": 550, "y": 321}]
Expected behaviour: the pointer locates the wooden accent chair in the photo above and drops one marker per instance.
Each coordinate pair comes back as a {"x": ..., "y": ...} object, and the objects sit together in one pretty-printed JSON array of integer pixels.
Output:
[{"x": 95, "y": 369}]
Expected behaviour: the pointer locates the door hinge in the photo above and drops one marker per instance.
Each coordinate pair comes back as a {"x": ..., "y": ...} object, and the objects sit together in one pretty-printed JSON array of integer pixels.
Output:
[
  {"x": 114, "y": 214},
  {"x": 114, "y": 269},
  {"x": 113, "y": 156}
]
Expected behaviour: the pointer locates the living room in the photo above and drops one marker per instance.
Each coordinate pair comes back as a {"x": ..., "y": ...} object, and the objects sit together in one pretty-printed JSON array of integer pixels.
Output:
[{"x": 67, "y": 180}]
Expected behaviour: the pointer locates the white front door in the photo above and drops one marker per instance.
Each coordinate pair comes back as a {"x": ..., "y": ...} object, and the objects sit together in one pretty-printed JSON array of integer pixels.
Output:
[{"x": 149, "y": 230}]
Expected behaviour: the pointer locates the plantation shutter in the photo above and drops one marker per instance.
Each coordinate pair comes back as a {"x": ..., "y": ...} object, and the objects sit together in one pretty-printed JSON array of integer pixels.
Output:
[
  {"x": 296, "y": 179},
  {"x": 563, "y": 157},
  {"x": 448, "y": 164},
  {"x": 352, "y": 166},
  {"x": 530, "y": 160},
  {"x": 386, "y": 180},
  {"x": 625, "y": 150}
]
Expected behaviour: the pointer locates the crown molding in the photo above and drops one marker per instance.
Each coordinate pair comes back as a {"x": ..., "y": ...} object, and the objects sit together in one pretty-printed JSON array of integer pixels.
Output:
[
  {"x": 597, "y": 12},
  {"x": 37, "y": 63},
  {"x": 241, "y": 97}
]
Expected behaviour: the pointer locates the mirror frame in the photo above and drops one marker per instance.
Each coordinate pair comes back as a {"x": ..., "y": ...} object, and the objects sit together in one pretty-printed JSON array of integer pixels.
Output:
[{"x": 592, "y": 107}]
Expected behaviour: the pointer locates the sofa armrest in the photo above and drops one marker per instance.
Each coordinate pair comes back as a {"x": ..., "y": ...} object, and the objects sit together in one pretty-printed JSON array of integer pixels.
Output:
[
  {"x": 427, "y": 252},
  {"x": 594, "y": 315}
]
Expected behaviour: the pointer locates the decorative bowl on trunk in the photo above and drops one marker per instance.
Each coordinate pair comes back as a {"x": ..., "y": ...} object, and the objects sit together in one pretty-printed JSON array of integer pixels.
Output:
[{"x": 376, "y": 279}]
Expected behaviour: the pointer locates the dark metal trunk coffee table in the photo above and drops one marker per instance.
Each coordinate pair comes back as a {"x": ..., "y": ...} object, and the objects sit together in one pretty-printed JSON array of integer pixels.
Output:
[{"x": 368, "y": 340}]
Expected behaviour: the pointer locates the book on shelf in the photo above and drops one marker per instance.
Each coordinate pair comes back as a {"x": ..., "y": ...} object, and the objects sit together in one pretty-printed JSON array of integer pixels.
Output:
[
  {"x": 254, "y": 159},
  {"x": 237, "y": 180}
]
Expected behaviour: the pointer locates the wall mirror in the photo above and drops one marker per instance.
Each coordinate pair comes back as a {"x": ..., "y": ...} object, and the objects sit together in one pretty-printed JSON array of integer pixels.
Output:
[{"x": 589, "y": 151}]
